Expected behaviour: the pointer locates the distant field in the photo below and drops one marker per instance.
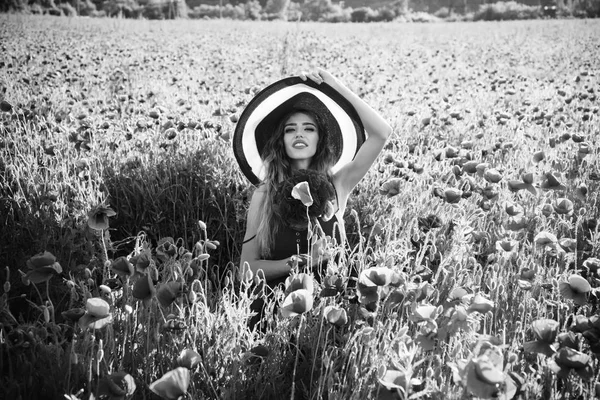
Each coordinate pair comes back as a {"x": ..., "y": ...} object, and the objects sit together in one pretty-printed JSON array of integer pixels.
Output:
[{"x": 476, "y": 233}]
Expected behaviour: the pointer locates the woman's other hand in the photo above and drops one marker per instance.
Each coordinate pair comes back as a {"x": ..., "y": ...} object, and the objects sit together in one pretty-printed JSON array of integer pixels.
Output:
[{"x": 318, "y": 76}]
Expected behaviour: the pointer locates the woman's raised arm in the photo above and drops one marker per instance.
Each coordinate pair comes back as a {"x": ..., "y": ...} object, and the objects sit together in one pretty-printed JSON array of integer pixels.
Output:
[{"x": 378, "y": 131}]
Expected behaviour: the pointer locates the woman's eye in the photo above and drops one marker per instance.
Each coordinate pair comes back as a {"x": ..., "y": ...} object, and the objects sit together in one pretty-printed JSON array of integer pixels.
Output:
[{"x": 288, "y": 130}]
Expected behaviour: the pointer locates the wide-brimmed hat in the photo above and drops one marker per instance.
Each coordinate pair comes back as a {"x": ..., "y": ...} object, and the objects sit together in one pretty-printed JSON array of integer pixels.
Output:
[{"x": 261, "y": 117}]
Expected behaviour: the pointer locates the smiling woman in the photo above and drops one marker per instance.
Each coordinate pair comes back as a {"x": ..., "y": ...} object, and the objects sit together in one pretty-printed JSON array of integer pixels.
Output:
[{"x": 311, "y": 129}]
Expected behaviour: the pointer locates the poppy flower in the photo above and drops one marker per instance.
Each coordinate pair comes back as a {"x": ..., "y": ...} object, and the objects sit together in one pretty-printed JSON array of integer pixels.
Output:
[
  {"x": 470, "y": 167},
  {"x": 302, "y": 192},
  {"x": 563, "y": 206},
  {"x": 492, "y": 175},
  {"x": 490, "y": 192},
  {"x": 395, "y": 380},
  {"x": 592, "y": 264},
  {"x": 117, "y": 386},
  {"x": 188, "y": 359},
  {"x": 575, "y": 288},
  {"x": 296, "y": 303},
  {"x": 143, "y": 288},
  {"x": 122, "y": 267},
  {"x": 299, "y": 281},
  {"x": 377, "y": 276},
  {"x": 73, "y": 314},
  {"x": 538, "y": 156},
  {"x": 568, "y": 244},
  {"x": 168, "y": 292},
  {"x": 335, "y": 315},
  {"x": 332, "y": 285},
  {"x": 391, "y": 187},
  {"x": 482, "y": 374},
  {"x": 544, "y": 332},
  {"x": 545, "y": 239},
  {"x": 551, "y": 182},
  {"x": 481, "y": 167},
  {"x": 567, "y": 359},
  {"x": 517, "y": 223},
  {"x": 97, "y": 314},
  {"x": 507, "y": 246},
  {"x": 172, "y": 385},
  {"x": 568, "y": 339},
  {"x": 452, "y": 195},
  {"x": 98, "y": 217},
  {"x": 547, "y": 210},
  {"x": 481, "y": 304},
  {"x": 166, "y": 248},
  {"x": 42, "y": 267},
  {"x": 141, "y": 261},
  {"x": 513, "y": 209}
]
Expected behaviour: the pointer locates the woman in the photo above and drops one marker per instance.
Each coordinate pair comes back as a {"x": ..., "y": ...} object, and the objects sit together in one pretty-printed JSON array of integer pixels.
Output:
[{"x": 307, "y": 137}]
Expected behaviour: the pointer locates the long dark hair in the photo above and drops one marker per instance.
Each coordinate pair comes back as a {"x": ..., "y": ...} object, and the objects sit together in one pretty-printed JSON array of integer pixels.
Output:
[{"x": 279, "y": 168}]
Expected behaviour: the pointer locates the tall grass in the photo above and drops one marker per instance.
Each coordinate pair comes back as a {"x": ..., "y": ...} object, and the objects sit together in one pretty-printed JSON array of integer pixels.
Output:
[{"x": 137, "y": 117}]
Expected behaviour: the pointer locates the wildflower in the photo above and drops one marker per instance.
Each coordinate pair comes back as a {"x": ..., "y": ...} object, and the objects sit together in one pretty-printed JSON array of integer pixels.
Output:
[
  {"x": 122, "y": 267},
  {"x": 507, "y": 245},
  {"x": 567, "y": 359},
  {"x": 117, "y": 386},
  {"x": 172, "y": 385},
  {"x": 168, "y": 292},
  {"x": 568, "y": 244},
  {"x": 492, "y": 175},
  {"x": 73, "y": 314},
  {"x": 592, "y": 264},
  {"x": 545, "y": 239},
  {"x": 299, "y": 281},
  {"x": 332, "y": 285},
  {"x": 141, "y": 261},
  {"x": 42, "y": 267},
  {"x": 302, "y": 192},
  {"x": 576, "y": 289},
  {"x": 482, "y": 374},
  {"x": 394, "y": 379},
  {"x": 481, "y": 304},
  {"x": 517, "y": 223},
  {"x": 544, "y": 331},
  {"x": 188, "y": 359},
  {"x": 391, "y": 187},
  {"x": 97, "y": 314},
  {"x": 470, "y": 167},
  {"x": 563, "y": 206},
  {"x": 257, "y": 354},
  {"x": 296, "y": 303},
  {"x": 547, "y": 210},
  {"x": 166, "y": 248},
  {"x": 551, "y": 182},
  {"x": 143, "y": 288},
  {"x": 452, "y": 195},
  {"x": 568, "y": 339},
  {"x": 335, "y": 315},
  {"x": 377, "y": 276},
  {"x": 513, "y": 209},
  {"x": 98, "y": 217},
  {"x": 538, "y": 156}
]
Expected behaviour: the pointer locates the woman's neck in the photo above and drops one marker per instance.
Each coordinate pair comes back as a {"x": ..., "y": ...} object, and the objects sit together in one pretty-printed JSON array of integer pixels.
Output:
[{"x": 300, "y": 164}]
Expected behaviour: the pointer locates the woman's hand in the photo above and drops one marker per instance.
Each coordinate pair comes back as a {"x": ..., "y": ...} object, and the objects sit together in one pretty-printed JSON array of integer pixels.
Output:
[{"x": 318, "y": 76}]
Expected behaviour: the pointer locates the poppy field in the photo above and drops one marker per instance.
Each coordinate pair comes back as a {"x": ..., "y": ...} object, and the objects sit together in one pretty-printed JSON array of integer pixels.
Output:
[{"x": 472, "y": 263}]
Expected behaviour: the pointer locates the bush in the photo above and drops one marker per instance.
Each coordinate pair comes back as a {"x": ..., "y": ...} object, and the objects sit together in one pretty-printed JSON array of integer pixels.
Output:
[
  {"x": 362, "y": 14},
  {"x": 443, "y": 12},
  {"x": 504, "y": 11},
  {"x": 212, "y": 12},
  {"x": 68, "y": 9},
  {"x": 418, "y": 17},
  {"x": 337, "y": 14}
]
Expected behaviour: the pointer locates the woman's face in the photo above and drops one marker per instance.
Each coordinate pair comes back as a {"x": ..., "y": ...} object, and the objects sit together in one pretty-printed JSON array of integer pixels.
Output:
[{"x": 300, "y": 138}]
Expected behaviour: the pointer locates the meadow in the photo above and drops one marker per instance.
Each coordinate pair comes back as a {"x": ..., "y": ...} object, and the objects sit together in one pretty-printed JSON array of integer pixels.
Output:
[{"x": 474, "y": 238}]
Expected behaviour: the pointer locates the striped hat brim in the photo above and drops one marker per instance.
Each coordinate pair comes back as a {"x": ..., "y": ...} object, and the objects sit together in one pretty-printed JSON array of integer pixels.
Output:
[{"x": 262, "y": 115}]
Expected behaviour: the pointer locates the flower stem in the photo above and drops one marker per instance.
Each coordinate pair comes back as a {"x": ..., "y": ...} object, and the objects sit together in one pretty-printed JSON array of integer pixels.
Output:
[{"x": 297, "y": 356}]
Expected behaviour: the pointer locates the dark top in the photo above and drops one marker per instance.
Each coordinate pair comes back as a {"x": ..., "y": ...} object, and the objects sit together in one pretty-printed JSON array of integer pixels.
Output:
[{"x": 290, "y": 242}]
